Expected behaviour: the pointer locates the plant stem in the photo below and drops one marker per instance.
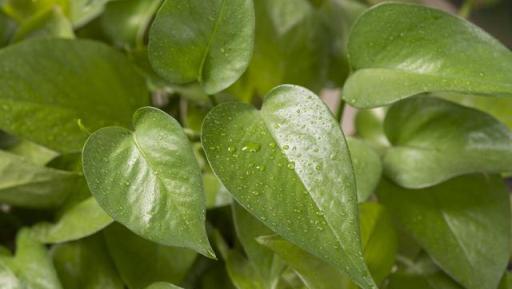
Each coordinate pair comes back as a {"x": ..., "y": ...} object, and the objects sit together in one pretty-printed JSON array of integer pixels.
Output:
[
  {"x": 465, "y": 9},
  {"x": 339, "y": 111},
  {"x": 213, "y": 100}
]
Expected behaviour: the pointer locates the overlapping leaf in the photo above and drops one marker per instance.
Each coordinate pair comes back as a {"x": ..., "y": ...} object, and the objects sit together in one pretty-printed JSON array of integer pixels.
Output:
[
  {"x": 289, "y": 166},
  {"x": 399, "y": 50},
  {"x": 209, "y": 42}
]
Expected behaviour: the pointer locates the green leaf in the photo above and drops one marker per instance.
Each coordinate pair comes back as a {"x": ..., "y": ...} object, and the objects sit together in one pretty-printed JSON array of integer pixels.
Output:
[
  {"x": 83, "y": 11},
  {"x": 133, "y": 255},
  {"x": 216, "y": 193},
  {"x": 53, "y": 23},
  {"x": 162, "y": 285},
  {"x": 76, "y": 222},
  {"x": 434, "y": 140},
  {"x": 421, "y": 274},
  {"x": 379, "y": 240},
  {"x": 367, "y": 167},
  {"x": 379, "y": 243},
  {"x": 453, "y": 222},
  {"x": 209, "y": 42},
  {"x": 289, "y": 166},
  {"x": 57, "y": 84},
  {"x": 24, "y": 10},
  {"x": 25, "y": 184},
  {"x": 8, "y": 278},
  {"x": 400, "y": 50},
  {"x": 126, "y": 22},
  {"x": 31, "y": 265},
  {"x": 86, "y": 264},
  {"x": 265, "y": 264},
  {"x": 369, "y": 125},
  {"x": 148, "y": 180}
]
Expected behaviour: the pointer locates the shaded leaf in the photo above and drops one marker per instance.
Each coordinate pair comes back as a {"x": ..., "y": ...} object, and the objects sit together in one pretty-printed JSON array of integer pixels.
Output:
[
  {"x": 55, "y": 84},
  {"x": 434, "y": 140},
  {"x": 162, "y": 285},
  {"x": 453, "y": 222},
  {"x": 367, "y": 167},
  {"x": 289, "y": 166},
  {"x": 76, "y": 222},
  {"x": 133, "y": 255},
  {"x": 53, "y": 23},
  {"x": 86, "y": 264},
  {"x": 25, "y": 184},
  {"x": 400, "y": 50},
  {"x": 148, "y": 179},
  {"x": 209, "y": 42}
]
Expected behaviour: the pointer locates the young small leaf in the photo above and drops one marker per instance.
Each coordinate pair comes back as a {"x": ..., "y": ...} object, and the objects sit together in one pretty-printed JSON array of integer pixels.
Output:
[
  {"x": 209, "y": 42},
  {"x": 32, "y": 266},
  {"x": 86, "y": 264},
  {"x": 400, "y": 50},
  {"x": 453, "y": 222},
  {"x": 25, "y": 184},
  {"x": 76, "y": 222},
  {"x": 434, "y": 140},
  {"x": 289, "y": 166},
  {"x": 148, "y": 180}
]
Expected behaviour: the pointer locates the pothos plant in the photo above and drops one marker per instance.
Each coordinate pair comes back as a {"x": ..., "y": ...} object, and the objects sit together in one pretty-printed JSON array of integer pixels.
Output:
[{"x": 150, "y": 144}]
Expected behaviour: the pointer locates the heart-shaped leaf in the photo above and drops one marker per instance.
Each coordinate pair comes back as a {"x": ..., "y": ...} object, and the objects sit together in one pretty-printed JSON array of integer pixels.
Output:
[
  {"x": 148, "y": 180},
  {"x": 434, "y": 140},
  {"x": 209, "y": 42},
  {"x": 453, "y": 223},
  {"x": 56, "y": 86},
  {"x": 86, "y": 264},
  {"x": 31, "y": 267},
  {"x": 367, "y": 167},
  {"x": 78, "y": 221},
  {"x": 400, "y": 50},
  {"x": 25, "y": 184},
  {"x": 133, "y": 255},
  {"x": 289, "y": 166}
]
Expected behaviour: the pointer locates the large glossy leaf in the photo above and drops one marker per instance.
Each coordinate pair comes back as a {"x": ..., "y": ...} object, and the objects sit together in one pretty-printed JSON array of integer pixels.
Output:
[
  {"x": 78, "y": 221},
  {"x": 52, "y": 86},
  {"x": 367, "y": 167},
  {"x": 25, "y": 184},
  {"x": 148, "y": 179},
  {"x": 453, "y": 223},
  {"x": 434, "y": 140},
  {"x": 133, "y": 255},
  {"x": 31, "y": 266},
  {"x": 265, "y": 264},
  {"x": 399, "y": 50},
  {"x": 86, "y": 264},
  {"x": 379, "y": 245},
  {"x": 288, "y": 165},
  {"x": 209, "y": 42}
]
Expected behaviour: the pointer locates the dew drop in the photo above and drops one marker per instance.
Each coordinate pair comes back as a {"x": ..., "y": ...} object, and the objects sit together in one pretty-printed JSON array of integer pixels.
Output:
[{"x": 251, "y": 147}]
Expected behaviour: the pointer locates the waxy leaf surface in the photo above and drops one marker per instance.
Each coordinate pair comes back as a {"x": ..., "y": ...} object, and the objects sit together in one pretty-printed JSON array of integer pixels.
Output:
[
  {"x": 209, "y": 42},
  {"x": 433, "y": 140},
  {"x": 148, "y": 179},
  {"x": 288, "y": 165},
  {"x": 400, "y": 50},
  {"x": 53, "y": 85},
  {"x": 453, "y": 222}
]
